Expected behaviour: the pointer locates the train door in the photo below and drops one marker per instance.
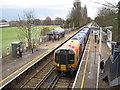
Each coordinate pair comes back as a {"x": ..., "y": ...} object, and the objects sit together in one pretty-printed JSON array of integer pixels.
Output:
[
  {"x": 80, "y": 50},
  {"x": 63, "y": 60},
  {"x": 85, "y": 40}
]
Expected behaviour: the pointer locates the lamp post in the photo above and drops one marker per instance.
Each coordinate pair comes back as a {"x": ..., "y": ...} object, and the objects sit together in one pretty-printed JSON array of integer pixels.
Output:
[
  {"x": 100, "y": 42},
  {"x": 100, "y": 46},
  {"x": 95, "y": 54}
]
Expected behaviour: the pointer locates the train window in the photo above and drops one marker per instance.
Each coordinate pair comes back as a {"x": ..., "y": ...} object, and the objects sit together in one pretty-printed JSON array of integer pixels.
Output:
[
  {"x": 57, "y": 58},
  {"x": 71, "y": 59},
  {"x": 60, "y": 57},
  {"x": 63, "y": 58}
]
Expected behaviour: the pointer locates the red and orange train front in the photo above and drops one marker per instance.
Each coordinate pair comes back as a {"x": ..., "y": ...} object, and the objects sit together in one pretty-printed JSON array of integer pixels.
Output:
[{"x": 66, "y": 57}]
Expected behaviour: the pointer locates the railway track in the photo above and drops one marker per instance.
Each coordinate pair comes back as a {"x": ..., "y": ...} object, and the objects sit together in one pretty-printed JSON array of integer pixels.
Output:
[
  {"x": 37, "y": 77},
  {"x": 47, "y": 80},
  {"x": 54, "y": 81},
  {"x": 62, "y": 82}
]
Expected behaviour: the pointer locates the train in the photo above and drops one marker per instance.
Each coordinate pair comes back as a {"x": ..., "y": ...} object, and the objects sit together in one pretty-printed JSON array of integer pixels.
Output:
[{"x": 67, "y": 57}]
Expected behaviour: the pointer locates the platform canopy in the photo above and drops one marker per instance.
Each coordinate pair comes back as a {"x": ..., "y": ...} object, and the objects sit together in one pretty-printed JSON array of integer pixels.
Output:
[{"x": 57, "y": 31}]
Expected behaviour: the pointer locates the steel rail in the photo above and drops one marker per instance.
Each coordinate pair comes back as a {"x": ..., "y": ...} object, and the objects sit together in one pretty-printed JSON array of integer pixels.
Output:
[
  {"x": 34, "y": 75},
  {"x": 52, "y": 82},
  {"x": 44, "y": 79}
]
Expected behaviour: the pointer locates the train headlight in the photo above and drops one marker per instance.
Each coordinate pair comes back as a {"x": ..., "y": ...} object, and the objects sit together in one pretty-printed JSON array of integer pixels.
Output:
[{"x": 58, "y": 65}]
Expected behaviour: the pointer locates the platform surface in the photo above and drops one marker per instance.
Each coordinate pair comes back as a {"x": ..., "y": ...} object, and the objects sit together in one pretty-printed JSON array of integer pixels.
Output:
[{"x": 87, "y": 73}]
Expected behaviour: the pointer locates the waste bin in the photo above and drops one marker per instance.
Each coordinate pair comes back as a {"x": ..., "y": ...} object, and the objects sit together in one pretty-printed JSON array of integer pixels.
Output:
[{"x": 16, "y": 49}]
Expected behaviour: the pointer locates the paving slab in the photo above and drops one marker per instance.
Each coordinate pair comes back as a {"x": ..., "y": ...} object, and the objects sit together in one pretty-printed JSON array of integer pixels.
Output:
[{"x": 87, "y": 73}]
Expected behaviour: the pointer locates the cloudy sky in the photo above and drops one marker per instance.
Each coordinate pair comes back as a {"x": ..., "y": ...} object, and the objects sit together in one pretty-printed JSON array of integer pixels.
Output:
[{"x": 10, "y": 9}]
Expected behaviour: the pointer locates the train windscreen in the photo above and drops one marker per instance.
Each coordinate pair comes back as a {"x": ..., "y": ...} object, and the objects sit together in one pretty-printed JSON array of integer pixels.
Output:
[
  {"x": 57, "y": 57},
  {"x": 64, "y": 56},
  {"x": 71, "y": 59}
]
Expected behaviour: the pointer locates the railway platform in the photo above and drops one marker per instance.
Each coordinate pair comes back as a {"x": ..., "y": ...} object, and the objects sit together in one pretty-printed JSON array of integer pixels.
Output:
[
  {"x": 11, "y": 67},
  {"x": 87, "y": 75}
]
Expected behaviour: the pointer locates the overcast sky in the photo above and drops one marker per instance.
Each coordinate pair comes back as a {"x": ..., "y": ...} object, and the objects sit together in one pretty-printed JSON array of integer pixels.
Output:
[{"x": 42, "y": 8}]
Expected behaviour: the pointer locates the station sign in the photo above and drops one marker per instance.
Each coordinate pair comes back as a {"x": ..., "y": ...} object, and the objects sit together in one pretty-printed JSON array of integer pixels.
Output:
[{"x": 109, "y": 39}]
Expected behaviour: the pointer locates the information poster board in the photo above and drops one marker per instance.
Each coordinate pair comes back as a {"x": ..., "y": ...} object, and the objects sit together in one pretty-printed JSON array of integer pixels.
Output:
[{"x": 109, "y": 38}]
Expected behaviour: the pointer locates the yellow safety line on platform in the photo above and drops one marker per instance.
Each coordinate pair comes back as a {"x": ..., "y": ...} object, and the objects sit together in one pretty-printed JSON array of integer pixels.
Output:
[
  {"x": 23, "y": 67},
  {"x": 85, "y": 69}
]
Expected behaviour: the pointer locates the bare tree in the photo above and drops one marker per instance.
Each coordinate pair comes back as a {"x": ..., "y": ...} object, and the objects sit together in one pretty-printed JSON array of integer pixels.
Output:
[
  {"x": 13, "y": 23},
  {"x": 84, "y": 15},
  {"x": 25, "y": 25},
  {"x": 59, "y": 21},
  {"x": 78, "y": 15},
  {"x": 48, "y": 21},
  {"x": 108, "y": 15},
  {"x": 37, "y": 22}
]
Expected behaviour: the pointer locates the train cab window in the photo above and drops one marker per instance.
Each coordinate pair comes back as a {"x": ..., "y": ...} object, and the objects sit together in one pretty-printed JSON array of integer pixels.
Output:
[
  {"x": 60, "y": 57},
  {"x": 57, "y": 58},
  {"x": 63, "y": 59},
  {"x": 71, "y": 57}
]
